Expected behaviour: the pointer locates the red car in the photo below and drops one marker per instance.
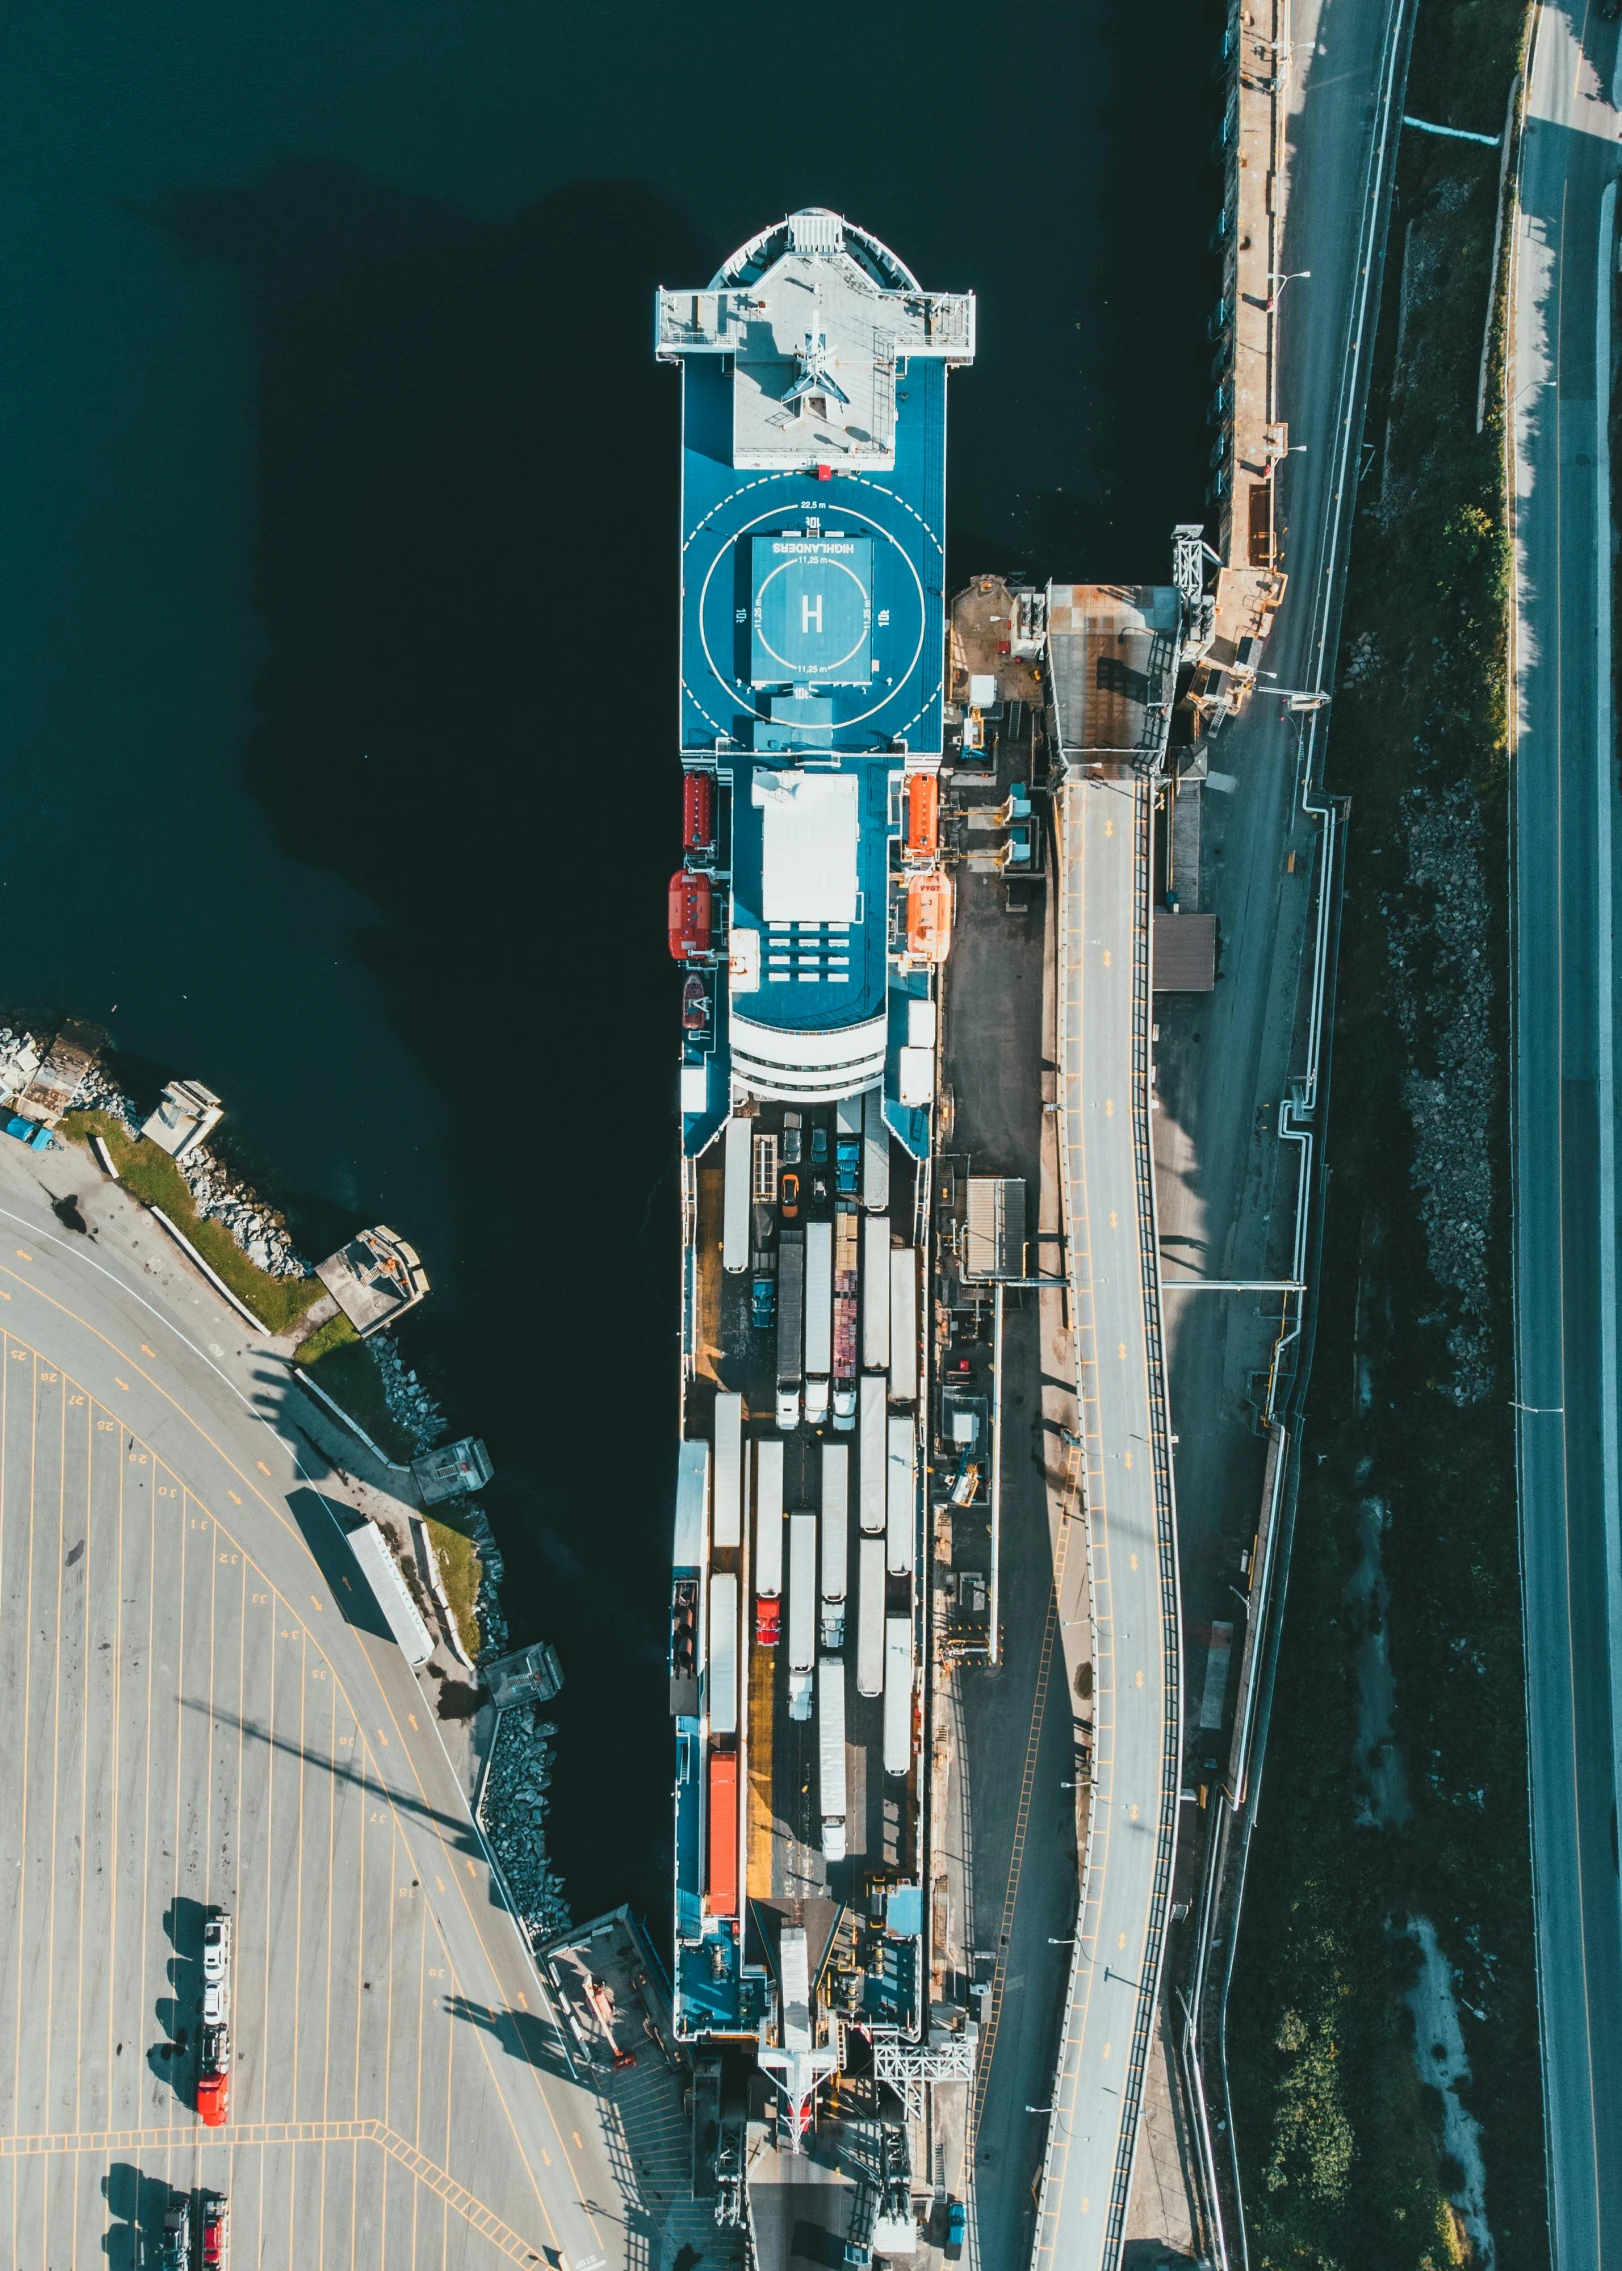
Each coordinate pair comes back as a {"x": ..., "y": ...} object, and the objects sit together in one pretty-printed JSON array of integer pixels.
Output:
[
  {"x": 216, "y": 2231},
  {"x": 790, "y": 1196}
]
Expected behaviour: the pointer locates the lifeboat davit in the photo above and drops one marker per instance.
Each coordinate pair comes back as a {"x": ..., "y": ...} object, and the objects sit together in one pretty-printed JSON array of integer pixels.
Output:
[
  {"x": 697, "y": 812},
  {"x": 929, "y": 916},
  {"x": 689, "y": 914},
  {"x": 923, "y": 816}
]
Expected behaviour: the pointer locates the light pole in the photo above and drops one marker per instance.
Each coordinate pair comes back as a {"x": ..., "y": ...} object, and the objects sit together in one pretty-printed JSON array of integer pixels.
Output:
[{"x": 1296, "y": 275}]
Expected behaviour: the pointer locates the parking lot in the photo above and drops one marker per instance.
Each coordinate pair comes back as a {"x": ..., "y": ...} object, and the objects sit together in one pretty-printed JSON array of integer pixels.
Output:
[{"x": 204, "y": 1709}]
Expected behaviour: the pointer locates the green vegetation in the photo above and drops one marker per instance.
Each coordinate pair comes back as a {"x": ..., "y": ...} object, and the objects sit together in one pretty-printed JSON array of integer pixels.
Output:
[
  {"x": 337, "y": 1332},
  {"x": 1341, "y": 2144},
  {"x": 459, "y": 1573},
  {"x": 278, "y": 1302},
  {"x": 346, "y": 1371}
]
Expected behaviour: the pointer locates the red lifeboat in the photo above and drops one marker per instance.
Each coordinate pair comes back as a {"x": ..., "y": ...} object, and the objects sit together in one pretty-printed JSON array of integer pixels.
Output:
[
  {"x": 689, "y": 914},
  {"x": 697, "y": 812}
]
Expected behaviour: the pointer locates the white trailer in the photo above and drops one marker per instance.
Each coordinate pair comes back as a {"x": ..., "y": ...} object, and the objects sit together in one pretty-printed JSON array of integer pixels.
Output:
[
  {"x": 726, "y": 1507},
  {"x": 870, "y": 1617},
  {"x": 721, "y": 1650},
  {"x": 802, "y": 1612},
  {"x": 819, "y": 1300},
  {"x": 876, "y": 1292},
  {"x": 901, "y": 1499},
  {"x": 903, "y": 1325},
  {"x": 835, "y": 1541},
  {"x": 735, "y": 1196},
  {"x": 875, "y": 1154},
  {"x": 870, "y": 1456},
  {"x": 831, "y": 1753},
  {"x": 768, "y": 1518},
  {"x": 897, "y": 1694}
]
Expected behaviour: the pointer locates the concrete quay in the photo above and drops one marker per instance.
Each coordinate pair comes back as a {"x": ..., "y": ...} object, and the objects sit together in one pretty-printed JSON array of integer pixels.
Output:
[{"x": 208, "y": 1710}]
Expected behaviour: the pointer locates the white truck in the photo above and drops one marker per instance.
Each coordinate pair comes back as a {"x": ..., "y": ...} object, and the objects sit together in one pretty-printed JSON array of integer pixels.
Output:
[
  {"x": 831, "y": 1754},
  {"x": 802, "y": 1612},
  {"x": 835, "y": 1541},
  {"x": 819, "y": 1319}
]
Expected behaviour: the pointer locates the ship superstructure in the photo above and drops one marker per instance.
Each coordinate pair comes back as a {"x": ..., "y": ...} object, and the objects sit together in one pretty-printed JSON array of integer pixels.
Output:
[{"x": 810, "y": 914}]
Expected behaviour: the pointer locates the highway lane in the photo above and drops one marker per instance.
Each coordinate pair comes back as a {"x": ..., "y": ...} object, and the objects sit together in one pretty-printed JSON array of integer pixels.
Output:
[
  {"x": 1567, "y": 832},
  {"x": 1104, "y": 829},
  {"x": 197, "y": 1719}
]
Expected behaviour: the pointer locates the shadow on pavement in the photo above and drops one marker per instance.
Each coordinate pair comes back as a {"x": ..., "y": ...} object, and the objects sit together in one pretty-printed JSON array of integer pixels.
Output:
[
  {"x": 324, "y": 1528},
  {"x": 135, "y": 2205}
]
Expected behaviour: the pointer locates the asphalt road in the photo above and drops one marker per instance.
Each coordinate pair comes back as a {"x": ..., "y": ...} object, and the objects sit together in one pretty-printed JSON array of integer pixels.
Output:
[
  {"x": 1104, "y": 1103},
  {"x": 1567, "y": 833},
  {"x": 1019, "y": 1747},
  {"x": 201, "y": 1710}
]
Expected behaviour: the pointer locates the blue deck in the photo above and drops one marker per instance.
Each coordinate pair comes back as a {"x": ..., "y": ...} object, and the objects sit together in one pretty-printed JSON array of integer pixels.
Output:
[
  {"x": 825, "y": 975},
  {"x": 873, "y": 611}
]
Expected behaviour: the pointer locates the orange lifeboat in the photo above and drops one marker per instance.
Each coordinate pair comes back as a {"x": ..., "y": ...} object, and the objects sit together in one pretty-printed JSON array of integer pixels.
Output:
[
  {"x": 689, "y": 914},
  {"x": 923, "y": 816},
  {"x": 697, "y": 812},
  {"x": 929, "y": 916}
]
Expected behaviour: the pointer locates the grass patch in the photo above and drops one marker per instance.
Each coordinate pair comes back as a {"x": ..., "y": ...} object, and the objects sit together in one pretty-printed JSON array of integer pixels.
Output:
[
  {"x": 337, "y": 1332},
  {"x": 278, "y": 1302},
  {"x": 1340, "y": 2143},
  {"x": 458, "y": 1560},
  {"x": 349, "y": 1376}
]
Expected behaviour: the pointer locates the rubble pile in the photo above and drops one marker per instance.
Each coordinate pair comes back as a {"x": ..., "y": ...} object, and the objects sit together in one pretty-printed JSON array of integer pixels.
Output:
[
  {"x": 513, "y": 1807},
  {"x": 411, "y": 1407},
  {"x": 1443, "y": 999},
  {"x": 260, "y": 1233}
]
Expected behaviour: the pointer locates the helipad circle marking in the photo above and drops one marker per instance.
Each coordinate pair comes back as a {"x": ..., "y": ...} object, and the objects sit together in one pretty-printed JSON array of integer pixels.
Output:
[{"x": 724, "y": 551}]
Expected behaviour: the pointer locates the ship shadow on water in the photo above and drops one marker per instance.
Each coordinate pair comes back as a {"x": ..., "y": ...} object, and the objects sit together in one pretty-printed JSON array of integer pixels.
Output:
[{"x": 467, "y": 573}]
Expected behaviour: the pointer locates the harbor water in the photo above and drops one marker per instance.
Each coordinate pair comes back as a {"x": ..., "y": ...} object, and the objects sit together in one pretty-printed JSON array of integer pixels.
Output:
[{"x": 338, "y": 584}]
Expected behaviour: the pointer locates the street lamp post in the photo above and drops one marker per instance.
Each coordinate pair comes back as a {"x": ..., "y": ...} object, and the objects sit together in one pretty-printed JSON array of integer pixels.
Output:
[{"x": 1296, "y": 275}]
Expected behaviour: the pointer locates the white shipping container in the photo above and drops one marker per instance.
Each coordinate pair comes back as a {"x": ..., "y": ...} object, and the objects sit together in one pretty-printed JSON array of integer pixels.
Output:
[
  {"x": 726, "y": 1512},
  {"x": 876, "y": 1292},
  {"x": 831, "y": 1753},
  {"x": 903, "y": 1324},
  {"x": 897, "y": 1694},
  {"x": 870, "y": 1459},
  {"x": 875, "y": 1153},
  {"x": 901, "y": 1500},
  {"x": 835, "y": 1519},
  {"x": 819, "y": 1299},
  {"x": 769, "y": 1518},
  {"x": 721, "y": 1698},
  {"x": 735, "y": 1196},
  {"x": 802, "y": 1592},
  {"x": 870, "y": 1618}
]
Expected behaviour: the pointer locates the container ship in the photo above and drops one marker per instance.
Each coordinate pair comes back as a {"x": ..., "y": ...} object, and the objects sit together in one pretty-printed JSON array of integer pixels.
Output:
[{"x": 810, "y": 914}]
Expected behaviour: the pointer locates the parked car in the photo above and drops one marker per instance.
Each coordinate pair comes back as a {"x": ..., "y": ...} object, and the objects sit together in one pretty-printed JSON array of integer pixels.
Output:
[
  {"x": 215, "y": 2220},
  {"x": 789, "y": 1195}
]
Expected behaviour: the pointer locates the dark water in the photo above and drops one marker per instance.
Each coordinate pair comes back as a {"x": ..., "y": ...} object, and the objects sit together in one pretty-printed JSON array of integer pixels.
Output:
[{"x": 337, "y": 612}]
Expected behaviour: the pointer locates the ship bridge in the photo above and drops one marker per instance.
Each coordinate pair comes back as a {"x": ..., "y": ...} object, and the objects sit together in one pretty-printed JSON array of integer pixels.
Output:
[{"x": 813, "y": 643}]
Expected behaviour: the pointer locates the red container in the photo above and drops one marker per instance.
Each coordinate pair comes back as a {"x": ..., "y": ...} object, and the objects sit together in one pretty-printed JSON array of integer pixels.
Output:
[
  {"x": 723, "y": 1897},
  {"x": 689, "y": 914},
  {"x": 697, "y": 812}
]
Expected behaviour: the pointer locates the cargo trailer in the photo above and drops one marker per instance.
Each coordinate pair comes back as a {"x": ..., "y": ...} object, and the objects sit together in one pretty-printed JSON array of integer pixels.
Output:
[
  {"x": 802, "y": 1612},
  {"x": 870, "y": 1617},
  {"x": 835, "y": 1541},
  {"x": 831, "y": 1754},
  {"x": 870, "y": 1475}
]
